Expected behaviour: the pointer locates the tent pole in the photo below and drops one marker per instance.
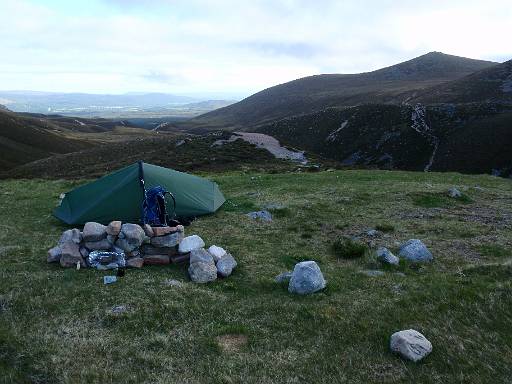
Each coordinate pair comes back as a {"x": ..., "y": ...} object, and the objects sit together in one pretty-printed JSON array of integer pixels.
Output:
[{"x": 143, "y": 188}]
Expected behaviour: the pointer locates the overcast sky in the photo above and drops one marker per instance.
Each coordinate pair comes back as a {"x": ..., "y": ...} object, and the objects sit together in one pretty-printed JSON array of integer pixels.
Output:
[{"x": 231, "y": 46}]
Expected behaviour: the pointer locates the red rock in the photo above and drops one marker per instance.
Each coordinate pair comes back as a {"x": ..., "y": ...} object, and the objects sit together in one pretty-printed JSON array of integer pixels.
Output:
[
  {"x": 162, "y": 231},
  {"x": 151, "y": 250},
  {"x": 135, "y": 262},
  {"x": 156, "y": 260}
]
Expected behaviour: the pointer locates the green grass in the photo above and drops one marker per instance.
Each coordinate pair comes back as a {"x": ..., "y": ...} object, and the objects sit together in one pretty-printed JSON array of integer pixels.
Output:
[
  {"x": 495, "y": 250},
  {"x": 438, "y": 200},
  {"x": 345, "y": 248},
  {"x": 56, "y": 325}
]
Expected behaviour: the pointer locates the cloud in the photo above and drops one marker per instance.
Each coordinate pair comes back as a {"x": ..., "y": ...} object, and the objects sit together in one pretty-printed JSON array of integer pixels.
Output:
[{"x": 232, "y": 46}]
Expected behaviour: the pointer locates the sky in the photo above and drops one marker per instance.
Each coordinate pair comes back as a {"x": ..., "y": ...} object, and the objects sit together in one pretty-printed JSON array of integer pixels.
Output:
[{"x": 231, "y": 47}]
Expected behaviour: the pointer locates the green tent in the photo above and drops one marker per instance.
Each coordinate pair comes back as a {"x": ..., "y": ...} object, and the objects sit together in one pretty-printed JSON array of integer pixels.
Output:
[{"x": 119, "y": 195}]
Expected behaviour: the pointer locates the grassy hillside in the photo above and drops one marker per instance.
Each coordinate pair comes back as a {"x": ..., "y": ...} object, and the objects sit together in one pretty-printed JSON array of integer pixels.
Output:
[
  {"x": 56, "y": 325},
  {"x": 388, "y": 85},
  {"x": 489, "y": 85},
  {"x": 183, "y": 153},
  {"x": 472, "y": 138},
  {"x": 24, "y": 139}
]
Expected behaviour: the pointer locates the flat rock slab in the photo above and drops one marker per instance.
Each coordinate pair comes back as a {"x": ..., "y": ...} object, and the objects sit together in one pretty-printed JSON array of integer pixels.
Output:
[
  {"x": 156, "y": 260},
  {"x": 147, "y": 249},
  {"x": 168, "y": 241},
  {"x": 73, "y": 235},
  {"x": 410, "y": 344}
]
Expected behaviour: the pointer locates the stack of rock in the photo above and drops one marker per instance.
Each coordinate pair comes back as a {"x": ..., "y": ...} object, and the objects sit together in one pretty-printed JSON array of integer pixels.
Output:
[
  {"x": 148, "y": 245},
  {"x": 206, "y": 265},
  {"x": 162, "y": 246}
]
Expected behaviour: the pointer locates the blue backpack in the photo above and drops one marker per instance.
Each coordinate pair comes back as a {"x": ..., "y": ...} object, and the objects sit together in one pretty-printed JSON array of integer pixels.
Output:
[{"x": 154, "y": 208}]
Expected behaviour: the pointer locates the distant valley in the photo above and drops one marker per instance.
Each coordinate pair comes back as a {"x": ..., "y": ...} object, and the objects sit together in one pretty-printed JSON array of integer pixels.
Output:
[{"x": 436, "y": 112}]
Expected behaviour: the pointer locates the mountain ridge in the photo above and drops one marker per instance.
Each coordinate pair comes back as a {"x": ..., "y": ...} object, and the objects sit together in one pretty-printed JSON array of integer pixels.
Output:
[{"x": 392, "y": 84}]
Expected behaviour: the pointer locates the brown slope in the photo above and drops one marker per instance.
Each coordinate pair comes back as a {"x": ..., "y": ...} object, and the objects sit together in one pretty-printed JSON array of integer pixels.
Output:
[
  {"x": 489, "y": 85},
  {"x": 25, "y": 139},
  {"x": 388, "y": 85}
]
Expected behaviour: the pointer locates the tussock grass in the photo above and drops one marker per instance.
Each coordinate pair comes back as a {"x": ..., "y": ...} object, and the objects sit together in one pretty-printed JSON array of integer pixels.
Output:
[{"x": 56, "y": 325}]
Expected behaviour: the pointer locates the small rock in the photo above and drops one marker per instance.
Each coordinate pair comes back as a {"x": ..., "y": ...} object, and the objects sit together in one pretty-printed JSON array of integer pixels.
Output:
[
  {"x": 170, "y": 240},
  {"x": 173, "y": 283},
  {"x": 135, "y": 262},
  {"x": 70, "y": 255},
  {"x": 156, "y": 260},
  {"x": 109, "y": 279},
  {"x": 118, "y": 309},
  {"x": 200, "y": 255},
  {"x": 283, "y": 277},
  {"x": 415, "y": 251},
  {"x": 102, "y": 245},
  {"x": 73, "y": 235},
  {"x": 94, "y": 231},
  {"x": 454, "y": 192},
  {"x": 148, "y": 230},
  {"x": 111, "y": 239},
  {"x": 226, "y": 265},
  {"x": 84, "y": 252},
  {"x": 373, "y": 272},
  {"x": 202, "y": 272},
  {"x": 189, "y": 243},
  {"x": 306, "y": 278},
  {"x": 372, "y": 233},
  {"x": 54, "y": 255},
  {"x": 261, "y": 215},
  {"x": 113, "y": 228},
  {"x": 216, "y": 252},
  {"x": 410, "y": 344},
  {"x": 385, "y": 256}
]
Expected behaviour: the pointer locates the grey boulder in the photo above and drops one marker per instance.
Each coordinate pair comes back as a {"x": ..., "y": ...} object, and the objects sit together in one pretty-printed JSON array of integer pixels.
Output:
[
  {"x": 130, "y": 237},
  {"x": 94, "y": 231},
  {"x": 73, "y": 235},
  {"x": 226, "y": 265},
  {"x": 70, "y": 256},
  {"x": 216, "y": 252},
  {"x": 385, "y": 256},
  {"x": 202, "y": 272},
  {"x": 189, "y": 243},
  {"x": 306, "y": 278},
  {"x": 415, "y": 251},
  {"x": 200, "y": 255},
  {"x": 410, "y": 344}
]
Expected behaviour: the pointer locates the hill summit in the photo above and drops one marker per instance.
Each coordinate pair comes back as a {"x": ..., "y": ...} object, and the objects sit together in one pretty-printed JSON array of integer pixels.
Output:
[{"x": 314, "y": 93}]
